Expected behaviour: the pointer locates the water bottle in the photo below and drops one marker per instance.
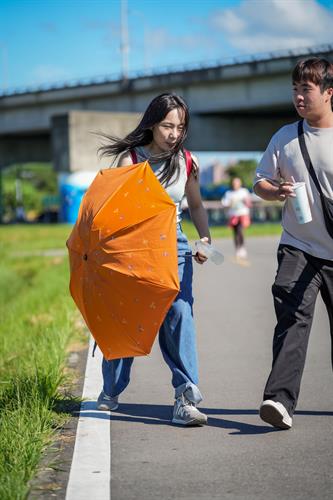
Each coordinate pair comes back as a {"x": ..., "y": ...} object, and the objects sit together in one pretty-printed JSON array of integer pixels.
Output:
[{"x": 209, "y": 251}]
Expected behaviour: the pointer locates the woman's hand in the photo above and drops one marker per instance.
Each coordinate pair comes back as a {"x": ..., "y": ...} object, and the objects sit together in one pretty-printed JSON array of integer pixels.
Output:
[{"x": 199, "y": 257}]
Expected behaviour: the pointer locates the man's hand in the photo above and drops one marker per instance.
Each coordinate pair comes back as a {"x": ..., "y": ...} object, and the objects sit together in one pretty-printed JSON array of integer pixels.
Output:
[
  {"x": 284, "y": 191},
  {"x": 274, "y": 191}
]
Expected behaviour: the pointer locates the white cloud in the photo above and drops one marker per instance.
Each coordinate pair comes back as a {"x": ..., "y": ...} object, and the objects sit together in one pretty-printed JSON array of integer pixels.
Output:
[{"x": 262, "y": 25}]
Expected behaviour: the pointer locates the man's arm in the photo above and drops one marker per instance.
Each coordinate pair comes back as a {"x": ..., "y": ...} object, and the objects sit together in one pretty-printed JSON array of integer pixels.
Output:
[{"x": 271, "y": 191}]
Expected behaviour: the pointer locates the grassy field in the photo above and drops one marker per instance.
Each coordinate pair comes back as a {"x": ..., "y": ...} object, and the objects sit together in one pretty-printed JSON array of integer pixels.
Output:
[
  {"x": 263, "y": 229},
  {"x": 38, "y": 321}
]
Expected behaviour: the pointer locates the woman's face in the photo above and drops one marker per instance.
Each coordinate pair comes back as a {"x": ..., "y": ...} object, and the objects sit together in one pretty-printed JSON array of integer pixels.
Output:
[
  {"x": 167, "y": 132},
  {"x": 236, "y": 183}
]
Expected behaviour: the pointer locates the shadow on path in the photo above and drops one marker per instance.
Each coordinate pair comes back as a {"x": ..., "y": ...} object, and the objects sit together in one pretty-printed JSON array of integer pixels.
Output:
[{"x": 161, "y": 415}]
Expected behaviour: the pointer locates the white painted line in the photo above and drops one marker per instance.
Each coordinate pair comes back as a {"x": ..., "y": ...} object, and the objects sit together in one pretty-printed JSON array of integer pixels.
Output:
[{"x": 90, "y": 474}]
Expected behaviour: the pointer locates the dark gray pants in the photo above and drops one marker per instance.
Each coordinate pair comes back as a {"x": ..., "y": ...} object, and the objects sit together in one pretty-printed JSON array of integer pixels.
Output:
[{"x": 299, "y": 278}]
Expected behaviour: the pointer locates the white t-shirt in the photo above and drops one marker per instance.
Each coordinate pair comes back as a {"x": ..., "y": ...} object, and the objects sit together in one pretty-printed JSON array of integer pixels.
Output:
[
  {"x": 236, "y": 201},
  {"x": 283, "y": 160}
]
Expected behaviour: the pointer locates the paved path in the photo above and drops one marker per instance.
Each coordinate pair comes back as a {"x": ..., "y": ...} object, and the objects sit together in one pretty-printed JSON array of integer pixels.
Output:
[{"x": 236, "y": 456}]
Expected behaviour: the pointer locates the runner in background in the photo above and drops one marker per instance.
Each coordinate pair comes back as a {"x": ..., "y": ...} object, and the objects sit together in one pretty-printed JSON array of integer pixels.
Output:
[{"x": 238, "y": 202}]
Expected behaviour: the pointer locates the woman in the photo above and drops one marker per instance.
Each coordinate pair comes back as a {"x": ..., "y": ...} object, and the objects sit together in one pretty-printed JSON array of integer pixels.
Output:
[
  {"x": 238, "y": 201},
  {"x": 159, "y": 138}
]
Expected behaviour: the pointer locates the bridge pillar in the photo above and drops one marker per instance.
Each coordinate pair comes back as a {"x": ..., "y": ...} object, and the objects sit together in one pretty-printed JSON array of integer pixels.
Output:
[
  {"x": 75, "y": 138},
  {"x": 235, "y": 132},
  {"x": 23, "y": 148}
]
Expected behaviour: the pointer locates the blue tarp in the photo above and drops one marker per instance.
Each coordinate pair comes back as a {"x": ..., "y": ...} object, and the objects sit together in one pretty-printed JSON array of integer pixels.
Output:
[{"x": 72, "y": 188}]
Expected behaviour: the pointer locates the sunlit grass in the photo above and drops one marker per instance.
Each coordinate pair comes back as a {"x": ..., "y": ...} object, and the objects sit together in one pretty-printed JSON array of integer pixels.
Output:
[
  {"x": 22, "y": 237},
  {"x": 38, "y": 321},
  {"x": 262, "y": 229}
]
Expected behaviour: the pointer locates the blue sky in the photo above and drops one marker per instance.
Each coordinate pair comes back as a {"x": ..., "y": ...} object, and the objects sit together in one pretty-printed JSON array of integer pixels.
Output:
[{"x": 45, "y": 41}]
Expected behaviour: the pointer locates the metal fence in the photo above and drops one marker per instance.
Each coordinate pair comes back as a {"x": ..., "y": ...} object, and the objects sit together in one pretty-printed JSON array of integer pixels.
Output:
[{"x": 261, "y": 211}]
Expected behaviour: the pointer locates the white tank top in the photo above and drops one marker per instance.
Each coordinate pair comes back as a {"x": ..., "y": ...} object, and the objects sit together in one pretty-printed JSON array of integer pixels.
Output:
[{"x": 175, "y": 189}]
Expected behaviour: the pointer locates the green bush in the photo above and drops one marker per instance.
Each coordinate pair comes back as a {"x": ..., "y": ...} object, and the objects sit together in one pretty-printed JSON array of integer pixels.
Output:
[
  {"x": 36, "y": 181},
  {"x": 244, "y": 169}
]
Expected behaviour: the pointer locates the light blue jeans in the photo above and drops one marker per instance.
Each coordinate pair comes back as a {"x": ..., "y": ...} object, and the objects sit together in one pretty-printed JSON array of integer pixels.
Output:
[{"x": 177, "y": 338}]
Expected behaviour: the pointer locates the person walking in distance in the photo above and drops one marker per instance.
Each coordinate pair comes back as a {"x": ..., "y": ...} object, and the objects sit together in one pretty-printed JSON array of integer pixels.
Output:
[
  {"x": 299, "y": 152},
  {"x": 238, "y": 202}
]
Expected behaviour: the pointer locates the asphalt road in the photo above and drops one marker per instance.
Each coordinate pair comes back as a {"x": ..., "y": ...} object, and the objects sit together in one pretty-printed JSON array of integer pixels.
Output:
[{"x": 236, "y": 456}]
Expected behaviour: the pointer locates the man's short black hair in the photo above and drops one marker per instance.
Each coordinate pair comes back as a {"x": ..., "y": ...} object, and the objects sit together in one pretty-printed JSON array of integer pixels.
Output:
[{"x": 316, "y": 70}]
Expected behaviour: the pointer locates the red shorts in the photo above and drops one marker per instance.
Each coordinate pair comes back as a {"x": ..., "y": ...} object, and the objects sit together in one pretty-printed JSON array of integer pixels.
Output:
[{"x": 244, "y": 220}]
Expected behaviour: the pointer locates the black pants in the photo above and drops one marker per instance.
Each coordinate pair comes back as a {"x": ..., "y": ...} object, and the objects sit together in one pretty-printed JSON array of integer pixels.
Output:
[
  {"x": 238, "y": 235},
  {"x": 299, "y": 278}
]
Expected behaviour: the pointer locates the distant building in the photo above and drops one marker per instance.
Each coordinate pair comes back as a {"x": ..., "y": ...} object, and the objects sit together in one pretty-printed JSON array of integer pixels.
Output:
[{"x": 213, "y": 174}]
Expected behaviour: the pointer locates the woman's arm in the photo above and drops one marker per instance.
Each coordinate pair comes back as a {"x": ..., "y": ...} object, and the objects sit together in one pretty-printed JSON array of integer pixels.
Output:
[
  {"x": 197, "y": 211},
  {"x": 125, "y": 160},
  {"x": 248, "y": 199},
  {"x": 226, "y": 200}
]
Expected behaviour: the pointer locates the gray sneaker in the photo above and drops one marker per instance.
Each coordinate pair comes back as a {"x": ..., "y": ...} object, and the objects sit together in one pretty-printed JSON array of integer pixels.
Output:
[
  {"x": 276, "y": 414},
  {"x": 105, "y": 402},
  {"x": 186, "y": 413}
]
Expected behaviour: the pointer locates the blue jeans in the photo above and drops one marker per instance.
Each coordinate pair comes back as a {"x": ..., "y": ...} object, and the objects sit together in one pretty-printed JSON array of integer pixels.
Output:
[{"x": 177, "y": 338}]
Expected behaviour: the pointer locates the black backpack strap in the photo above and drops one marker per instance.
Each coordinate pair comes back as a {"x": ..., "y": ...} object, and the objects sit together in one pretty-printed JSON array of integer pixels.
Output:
[
  {"x": 94, "y": 349},
  {"x": 306, "y": 157}
]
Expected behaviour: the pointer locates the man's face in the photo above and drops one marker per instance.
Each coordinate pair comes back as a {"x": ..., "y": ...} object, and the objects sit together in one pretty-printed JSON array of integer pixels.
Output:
[{"x": 309, "y": 101}]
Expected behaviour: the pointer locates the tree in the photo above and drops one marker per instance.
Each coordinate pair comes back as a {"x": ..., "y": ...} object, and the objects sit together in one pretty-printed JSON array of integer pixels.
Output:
[
  {"x": 245, "y": 170},
  {"x": 36, "y": 182}
]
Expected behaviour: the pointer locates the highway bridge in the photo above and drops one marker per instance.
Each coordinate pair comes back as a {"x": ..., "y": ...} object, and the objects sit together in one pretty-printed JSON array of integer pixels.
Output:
[{"x": 236, "y": 105}]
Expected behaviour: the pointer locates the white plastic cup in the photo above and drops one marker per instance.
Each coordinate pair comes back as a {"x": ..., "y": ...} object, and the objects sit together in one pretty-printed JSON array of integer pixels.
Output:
[
  {"x": 209, "y": 251},
  {"x": 301, "y": 203}
]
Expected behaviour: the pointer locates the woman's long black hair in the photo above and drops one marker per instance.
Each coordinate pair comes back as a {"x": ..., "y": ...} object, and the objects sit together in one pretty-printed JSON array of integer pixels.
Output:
[{"x": 156, "y": 111}]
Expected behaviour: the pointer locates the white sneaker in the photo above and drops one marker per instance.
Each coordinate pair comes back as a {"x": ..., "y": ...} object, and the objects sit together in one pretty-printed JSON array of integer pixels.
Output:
[
  {"x": 241, "y": 253},
  {"x": 106, "y": 402},
  {"x": 186, "y": 413},
  {"x": 276, "y": 414}
]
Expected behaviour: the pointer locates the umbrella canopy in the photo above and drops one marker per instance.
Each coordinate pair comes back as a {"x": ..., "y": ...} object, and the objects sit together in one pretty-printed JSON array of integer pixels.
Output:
[{"x": 123, "y": 259}]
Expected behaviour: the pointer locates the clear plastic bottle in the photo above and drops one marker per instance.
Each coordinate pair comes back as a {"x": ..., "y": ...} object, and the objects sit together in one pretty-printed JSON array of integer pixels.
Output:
[{"x": 209, "y": 251}]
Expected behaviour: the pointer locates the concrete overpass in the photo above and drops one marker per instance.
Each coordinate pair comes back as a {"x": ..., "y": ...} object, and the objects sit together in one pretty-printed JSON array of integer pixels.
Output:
[{"x": 235, "y": 106}]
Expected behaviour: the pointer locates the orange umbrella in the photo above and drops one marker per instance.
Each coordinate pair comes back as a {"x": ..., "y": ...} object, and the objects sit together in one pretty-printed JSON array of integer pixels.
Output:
[{"x": 123, "y": 259}]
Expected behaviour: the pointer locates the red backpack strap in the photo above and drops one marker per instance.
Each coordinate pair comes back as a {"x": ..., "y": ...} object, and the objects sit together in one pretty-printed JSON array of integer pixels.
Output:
[
  {"x": 188, "y": 161},
  {"x": 134, "y": 156}
]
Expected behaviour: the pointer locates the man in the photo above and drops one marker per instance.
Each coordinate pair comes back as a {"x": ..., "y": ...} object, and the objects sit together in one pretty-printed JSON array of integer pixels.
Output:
[{"x": 305, "y": 253}]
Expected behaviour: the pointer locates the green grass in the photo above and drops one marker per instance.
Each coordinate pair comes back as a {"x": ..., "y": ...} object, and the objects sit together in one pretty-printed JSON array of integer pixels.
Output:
[
  {"x": 44, "y": 237},
  {"x": 263, "y": 229},
  {"x": 33, "y": 237},
  {"x": 38, "y": 320}
]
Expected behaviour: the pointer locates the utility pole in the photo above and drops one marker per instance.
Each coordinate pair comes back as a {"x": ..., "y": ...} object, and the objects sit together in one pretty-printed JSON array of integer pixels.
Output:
[
  {"x": 1, "y": 197},
  {"x": 20, "y": 215},
  {"x": 145, "y": 30},
  {"x": 4, "y": 85},
  {"x": 124, "y": 42}
]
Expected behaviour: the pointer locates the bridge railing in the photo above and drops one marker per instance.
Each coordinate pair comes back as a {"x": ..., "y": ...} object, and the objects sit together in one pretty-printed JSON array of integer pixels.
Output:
[
  {"x": 261, "y": 211},
  {"x": 178, "y": 68}
]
